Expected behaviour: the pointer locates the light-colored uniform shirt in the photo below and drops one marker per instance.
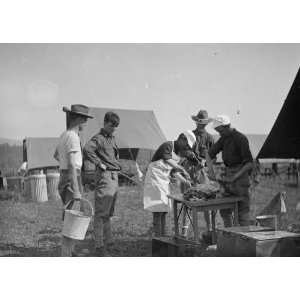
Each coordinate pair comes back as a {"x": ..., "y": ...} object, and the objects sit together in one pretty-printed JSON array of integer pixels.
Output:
[{"x": 69, "y": 141}]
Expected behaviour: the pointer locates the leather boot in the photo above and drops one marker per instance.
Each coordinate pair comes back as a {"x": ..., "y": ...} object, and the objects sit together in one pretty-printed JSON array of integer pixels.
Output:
[
  {"x": 108, "y": 240},
  {"x": 67, "y": 246},
  {"x": 99, "y": 232}
]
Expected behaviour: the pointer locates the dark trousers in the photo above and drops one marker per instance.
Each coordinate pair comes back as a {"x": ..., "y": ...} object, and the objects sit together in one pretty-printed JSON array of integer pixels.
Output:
[{"x": 239, "y": 188}]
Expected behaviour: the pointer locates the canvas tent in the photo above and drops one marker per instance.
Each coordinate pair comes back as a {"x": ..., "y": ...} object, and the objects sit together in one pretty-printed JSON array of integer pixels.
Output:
[
  {"x": 138, "y": 133},
  {"x": 39, "y": 151},
  {"x": 283, "y": 142},
  {"x": 138, "y": 130}
]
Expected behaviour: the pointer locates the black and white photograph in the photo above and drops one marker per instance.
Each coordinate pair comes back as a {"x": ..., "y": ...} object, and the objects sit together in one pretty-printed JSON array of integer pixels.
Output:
[
  {"x": 140, "y": 150},
  {"x": 149, "y": 149}
]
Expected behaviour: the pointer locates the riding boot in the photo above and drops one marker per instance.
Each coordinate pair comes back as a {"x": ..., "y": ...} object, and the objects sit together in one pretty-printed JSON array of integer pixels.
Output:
[
  {"x": 99, "y": 232},
  {"x": 108, "y": 240}
]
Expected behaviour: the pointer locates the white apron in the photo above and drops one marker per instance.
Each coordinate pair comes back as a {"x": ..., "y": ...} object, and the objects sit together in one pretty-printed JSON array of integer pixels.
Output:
[{"x": 156, "y": 185}]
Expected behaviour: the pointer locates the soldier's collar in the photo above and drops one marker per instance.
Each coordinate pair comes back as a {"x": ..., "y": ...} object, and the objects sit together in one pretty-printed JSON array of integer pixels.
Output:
[{"x": 104, "y": 133}]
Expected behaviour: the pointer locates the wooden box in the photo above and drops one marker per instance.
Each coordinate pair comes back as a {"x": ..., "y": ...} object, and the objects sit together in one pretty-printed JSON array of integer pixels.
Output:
[
  {"x": 257, "y": 242},
  {"x": 172, "y": 247}
]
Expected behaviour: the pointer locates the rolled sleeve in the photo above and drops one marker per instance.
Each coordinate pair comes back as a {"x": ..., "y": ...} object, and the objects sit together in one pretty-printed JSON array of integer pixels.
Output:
[{"x": 72, "y": 143}]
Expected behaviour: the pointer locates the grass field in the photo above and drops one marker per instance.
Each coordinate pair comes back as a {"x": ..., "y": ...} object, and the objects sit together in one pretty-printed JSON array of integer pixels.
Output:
[{"x": 33, "y": 229}]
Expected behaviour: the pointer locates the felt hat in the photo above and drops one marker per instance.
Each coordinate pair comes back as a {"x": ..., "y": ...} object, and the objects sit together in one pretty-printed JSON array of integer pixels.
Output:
[
  {"x": 201, "y": 117},
  {"x": 78, "y": 109}
]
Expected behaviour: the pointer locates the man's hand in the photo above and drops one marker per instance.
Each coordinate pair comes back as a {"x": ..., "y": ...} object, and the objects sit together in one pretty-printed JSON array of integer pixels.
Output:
[
  {"x": 76, "y": 195},
  {"x": 186, "y": 175},
  {"x": 102, "y": 166},
  {"x": 188, "y": 184},
  {"x": 77, "y": 198}
]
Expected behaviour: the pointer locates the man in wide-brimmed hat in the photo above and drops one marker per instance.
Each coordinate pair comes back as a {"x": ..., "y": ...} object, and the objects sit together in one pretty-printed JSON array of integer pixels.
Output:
[
  {"x": 69, "y": 155},
  {"x": 204, "y": 142},
  {"x": 204, "y": 139}
]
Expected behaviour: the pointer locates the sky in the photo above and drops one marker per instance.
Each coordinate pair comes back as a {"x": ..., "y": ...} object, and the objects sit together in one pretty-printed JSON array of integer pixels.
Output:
[{"x": 249, "y": 82}]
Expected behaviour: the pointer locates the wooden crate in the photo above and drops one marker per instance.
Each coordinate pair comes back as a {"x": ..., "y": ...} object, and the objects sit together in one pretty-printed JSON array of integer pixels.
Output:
[
  {"x": 227, "y": 238},
  {"x": 258, "y": 242},
  {"x": 173, "y": 247}
]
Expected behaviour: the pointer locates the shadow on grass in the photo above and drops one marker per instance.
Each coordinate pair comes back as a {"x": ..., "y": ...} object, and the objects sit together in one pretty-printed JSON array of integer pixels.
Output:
[
  {"x": 11, "y": 250},
  {"x": 120, "y": 248}
]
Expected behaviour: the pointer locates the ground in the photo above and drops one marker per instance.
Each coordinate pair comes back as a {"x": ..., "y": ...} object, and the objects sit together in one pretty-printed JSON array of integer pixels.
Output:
[{"x": 33, "y": 229}]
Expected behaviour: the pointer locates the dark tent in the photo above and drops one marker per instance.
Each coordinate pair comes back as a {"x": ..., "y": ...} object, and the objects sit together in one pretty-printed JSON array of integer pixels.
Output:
[{"x": 284, "y": 139}]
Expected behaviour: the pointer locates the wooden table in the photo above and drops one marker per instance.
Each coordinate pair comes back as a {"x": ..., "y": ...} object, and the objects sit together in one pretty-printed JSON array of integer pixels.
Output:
[{"x": 201, "y": 206}]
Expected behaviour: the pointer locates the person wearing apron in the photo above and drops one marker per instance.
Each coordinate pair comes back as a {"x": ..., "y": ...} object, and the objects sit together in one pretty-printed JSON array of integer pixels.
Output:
[
  {"x": 238, "y": 163},
  {"x": 157, "y": 179}
]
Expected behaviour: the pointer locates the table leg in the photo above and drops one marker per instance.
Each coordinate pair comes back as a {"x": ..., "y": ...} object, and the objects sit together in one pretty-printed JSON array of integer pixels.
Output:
[
  {"x": 175, "y": 218},
  {"x": 185, "y": 221},
  {"x": 195, "y": 224},
  {"x": 236, "y": 215},
  {"x": 213, "y": 226}
]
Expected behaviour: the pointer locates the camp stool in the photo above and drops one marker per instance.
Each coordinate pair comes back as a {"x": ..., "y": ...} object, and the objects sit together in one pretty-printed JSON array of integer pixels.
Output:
[{"x": 76, "y": 223}]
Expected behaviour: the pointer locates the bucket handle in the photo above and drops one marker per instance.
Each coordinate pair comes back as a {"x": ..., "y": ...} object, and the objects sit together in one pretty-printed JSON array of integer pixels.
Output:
[{"x": 82, "y": 199}]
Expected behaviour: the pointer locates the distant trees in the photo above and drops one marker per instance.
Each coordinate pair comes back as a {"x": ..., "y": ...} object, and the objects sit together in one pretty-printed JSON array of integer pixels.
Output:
[{"x": 11, "y": 158}]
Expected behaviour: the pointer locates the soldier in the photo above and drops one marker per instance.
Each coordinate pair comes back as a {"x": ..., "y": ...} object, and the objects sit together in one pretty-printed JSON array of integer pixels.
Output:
[
  {"x": 204, "y": 140},
  {"x": 103, "y": 152},
  {"x": 68, "y": 154},
  {"x": 238, "y": 163}
]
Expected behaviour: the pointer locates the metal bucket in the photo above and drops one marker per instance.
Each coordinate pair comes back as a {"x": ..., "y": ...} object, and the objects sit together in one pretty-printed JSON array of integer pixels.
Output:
[
  {"x": 76, "y": 223},
  {"x": 38, "y": 188}
]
